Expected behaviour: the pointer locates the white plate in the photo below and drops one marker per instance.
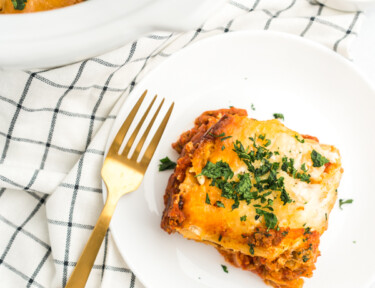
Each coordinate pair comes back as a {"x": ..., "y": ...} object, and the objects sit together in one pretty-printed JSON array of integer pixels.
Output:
[{"x": 319, "y": 92}]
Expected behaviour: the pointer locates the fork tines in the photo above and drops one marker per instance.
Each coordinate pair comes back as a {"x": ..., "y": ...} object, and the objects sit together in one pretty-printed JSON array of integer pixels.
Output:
[{"x": 115, "y": 147}]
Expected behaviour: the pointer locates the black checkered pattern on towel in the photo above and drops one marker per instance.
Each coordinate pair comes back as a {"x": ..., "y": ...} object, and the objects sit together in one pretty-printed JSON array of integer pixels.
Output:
[{"x": 54, "y": 125}]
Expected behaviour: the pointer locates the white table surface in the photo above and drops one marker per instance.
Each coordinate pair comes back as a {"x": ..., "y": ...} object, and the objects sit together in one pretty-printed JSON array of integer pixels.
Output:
[{"x": 364, "y": 47}]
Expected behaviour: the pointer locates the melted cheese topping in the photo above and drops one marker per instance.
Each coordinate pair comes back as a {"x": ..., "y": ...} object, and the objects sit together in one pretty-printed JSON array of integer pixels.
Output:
[{"x": 312, "y": 201}]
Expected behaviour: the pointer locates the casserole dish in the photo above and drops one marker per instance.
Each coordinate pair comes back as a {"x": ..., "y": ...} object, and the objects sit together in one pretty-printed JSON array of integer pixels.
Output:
[{"x": 62, "y": 36}]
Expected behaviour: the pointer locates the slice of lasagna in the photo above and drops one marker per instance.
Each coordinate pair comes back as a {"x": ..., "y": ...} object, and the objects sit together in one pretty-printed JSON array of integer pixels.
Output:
[{"x": 256, "y": 190}]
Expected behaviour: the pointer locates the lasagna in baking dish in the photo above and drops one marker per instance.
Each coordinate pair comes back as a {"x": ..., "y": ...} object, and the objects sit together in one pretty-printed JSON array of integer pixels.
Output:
[
  {"x": 26, "y": 6},
  {"x": 257, "y": 191}
]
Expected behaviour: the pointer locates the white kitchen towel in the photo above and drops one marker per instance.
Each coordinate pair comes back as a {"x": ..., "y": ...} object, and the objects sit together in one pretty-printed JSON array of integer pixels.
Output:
[{"x": 54, "y": 125}]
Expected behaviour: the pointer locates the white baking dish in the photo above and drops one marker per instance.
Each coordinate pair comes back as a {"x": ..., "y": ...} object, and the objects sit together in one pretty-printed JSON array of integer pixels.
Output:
[
  {"x": 349, "y": 5},
  {"x": 62, "y": 36}
]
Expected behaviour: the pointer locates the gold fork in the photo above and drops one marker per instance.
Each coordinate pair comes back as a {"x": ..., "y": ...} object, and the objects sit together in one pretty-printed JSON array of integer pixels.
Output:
[{"x": 121, "y": 175}]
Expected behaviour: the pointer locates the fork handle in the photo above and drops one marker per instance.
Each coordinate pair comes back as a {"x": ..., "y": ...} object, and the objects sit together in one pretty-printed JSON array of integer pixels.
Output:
[{"x": 86, "y": 261}]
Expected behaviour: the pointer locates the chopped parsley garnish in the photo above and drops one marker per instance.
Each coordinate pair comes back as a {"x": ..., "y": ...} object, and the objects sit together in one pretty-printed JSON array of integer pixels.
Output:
[
  {"x": 288, "y": 166},
  {"x": 240, "y": 150},
  {"x": 216, "y": 136},
  {"x": 218, "y": 170},
  {"x": 303, "y": 177},
  {"x": 305, "y": 258},
  {"x": 235, "y": 204},
  {"x": 166, "y": 164},
  {"x": 251, "y": 250},
  {"x": 262, "y": 181},
  {"x": 299, "y": 140},
  {"x": 252, "y": 107},
  {"x": 326, "y": 216},
  {"x": 243, "y": 187},
  {"x": 222, "y": 148},
  {"x": 226, "y": 137},
  {"x": 318, "y": 159},
  {"x": 285, "y": 197},
  {"x": 269, "y": 218},
  {"x": 220, "y": 236},
  {"x": 307, "y": 231},
  {"x": 285, "y": 233},
  {"x": 342, "y": 202},
  {"x": 259, "y": 184},
  {"x": 19, "y": 4},
  {"x": 208, "y": 201},
  {"x": 278, "y": 116},
  {"x": 219, "y": 204},
  {"x": 225, "y": 268}
]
